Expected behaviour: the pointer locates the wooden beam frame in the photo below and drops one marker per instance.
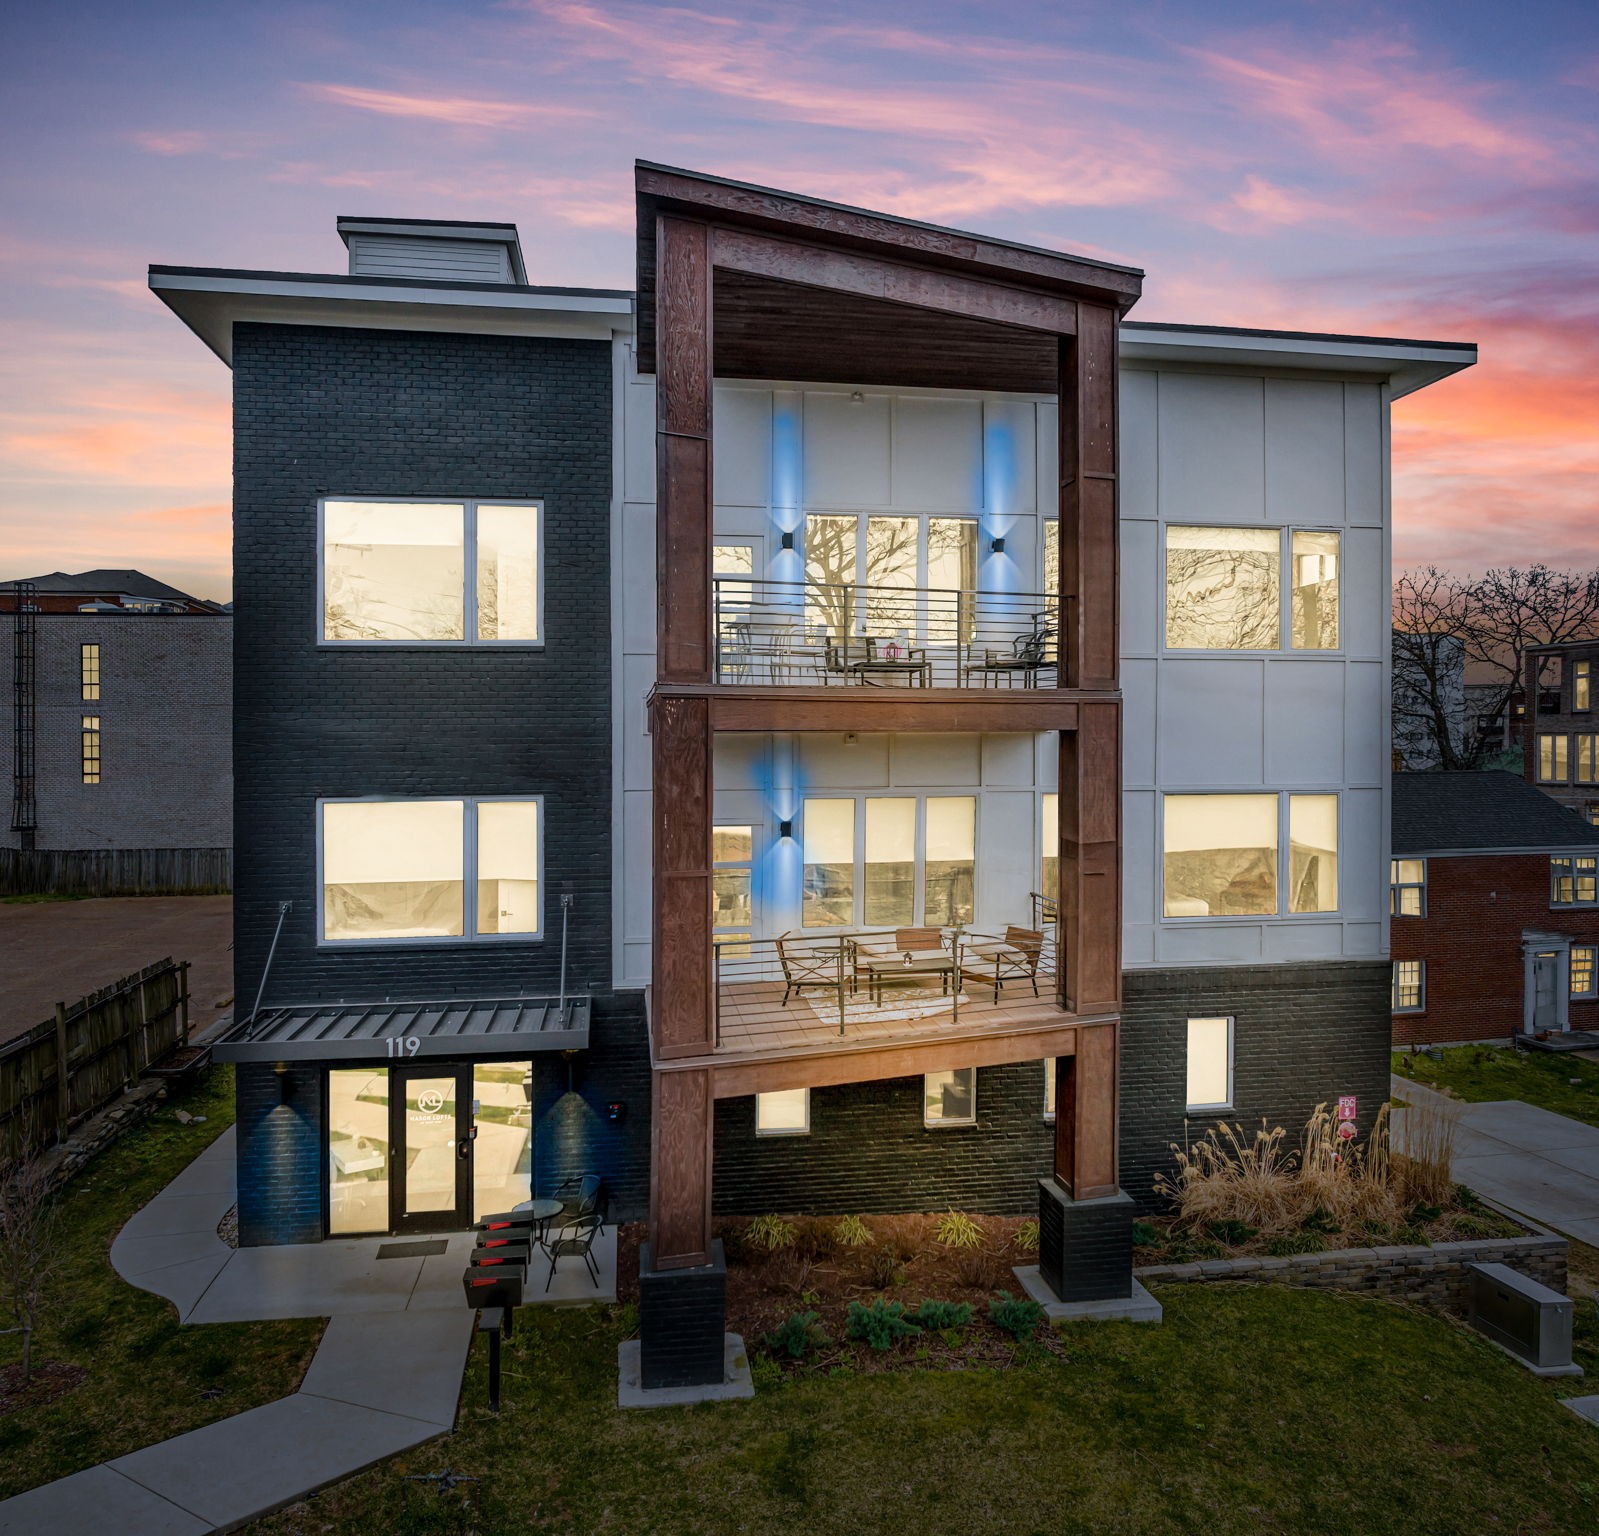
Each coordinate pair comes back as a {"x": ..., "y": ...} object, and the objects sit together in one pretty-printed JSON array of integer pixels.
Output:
[{"x": 738, "y": 707}]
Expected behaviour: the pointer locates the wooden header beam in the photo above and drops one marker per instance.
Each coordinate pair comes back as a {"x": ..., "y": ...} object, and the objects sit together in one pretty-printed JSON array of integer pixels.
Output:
[{"x": 740, "y": 707}]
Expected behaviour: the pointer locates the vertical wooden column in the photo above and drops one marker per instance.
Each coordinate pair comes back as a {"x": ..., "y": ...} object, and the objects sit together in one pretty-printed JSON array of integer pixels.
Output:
[
  {"x": 680, "y": 994},
  {"x": 1089, "y": 899}
]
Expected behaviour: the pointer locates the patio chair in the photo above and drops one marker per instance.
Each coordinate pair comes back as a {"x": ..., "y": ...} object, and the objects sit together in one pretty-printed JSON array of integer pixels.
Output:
[
  {"x": 901, "y": 940},
  {"x": 996, "y": 964},
  {"x": 577, "y": 1241},
  {"x": 1026, "y": 654},
  {"x": 582, "y": 1195},
  {"x": 806, "y": 964}
]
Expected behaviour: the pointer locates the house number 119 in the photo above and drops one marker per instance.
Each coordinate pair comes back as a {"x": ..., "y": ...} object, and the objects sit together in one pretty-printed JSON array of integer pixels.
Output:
[{"x": 403, "y": 1045}]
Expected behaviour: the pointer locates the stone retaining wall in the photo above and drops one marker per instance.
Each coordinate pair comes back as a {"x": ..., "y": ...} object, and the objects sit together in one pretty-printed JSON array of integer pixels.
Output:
[{"x": 1435, "y": 1276}]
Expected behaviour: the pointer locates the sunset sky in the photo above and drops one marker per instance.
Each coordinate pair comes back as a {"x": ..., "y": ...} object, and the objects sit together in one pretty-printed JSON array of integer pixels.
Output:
[{"x": 1421, "y": 170}]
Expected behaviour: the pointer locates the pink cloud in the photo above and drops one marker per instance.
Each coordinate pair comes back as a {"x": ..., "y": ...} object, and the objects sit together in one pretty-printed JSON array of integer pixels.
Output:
[
  {"x": 130, "y": 434},
  {"x": 458, "y": 111}
]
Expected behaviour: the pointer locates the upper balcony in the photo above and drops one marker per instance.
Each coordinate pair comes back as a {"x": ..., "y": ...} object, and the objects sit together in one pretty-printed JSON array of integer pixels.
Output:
[{"x": 813, "y": 633}]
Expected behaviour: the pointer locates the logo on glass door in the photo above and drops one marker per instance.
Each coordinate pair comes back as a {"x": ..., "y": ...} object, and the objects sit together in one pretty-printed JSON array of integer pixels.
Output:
[{"x": 430, "y": 1101}]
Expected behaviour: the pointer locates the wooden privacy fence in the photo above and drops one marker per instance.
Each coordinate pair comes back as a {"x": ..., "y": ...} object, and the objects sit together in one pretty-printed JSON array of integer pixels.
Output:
[
  {"x": 114, "y": 871},
  {"x": 68, "y": 1067}
]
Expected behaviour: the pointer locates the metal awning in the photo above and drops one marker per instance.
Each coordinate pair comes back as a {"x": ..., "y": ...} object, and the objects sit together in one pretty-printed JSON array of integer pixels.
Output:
[{"x": 402, "y": 1031}]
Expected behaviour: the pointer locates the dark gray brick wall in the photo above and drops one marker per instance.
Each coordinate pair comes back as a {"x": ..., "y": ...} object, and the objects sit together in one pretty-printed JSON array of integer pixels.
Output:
[
  {"x": 279, "y": 1133},
  {"x": 682, "y": 1328},
  {"x": 321, "y": 411}
]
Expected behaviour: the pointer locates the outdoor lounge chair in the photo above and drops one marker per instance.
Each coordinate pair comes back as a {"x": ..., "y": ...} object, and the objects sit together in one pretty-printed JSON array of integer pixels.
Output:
[
  {"x": 995, "y": 964},
  {"x": 807, "y": 963},
  {"x": 582, "y": 1195},
  {"x": 577, "y": 1241}
]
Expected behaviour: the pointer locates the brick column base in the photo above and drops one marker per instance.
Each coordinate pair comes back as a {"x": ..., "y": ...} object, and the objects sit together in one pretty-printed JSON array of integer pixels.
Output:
[
  {"x": 1085, "y": 1247},
  {"x": 682, "y": 1322}
]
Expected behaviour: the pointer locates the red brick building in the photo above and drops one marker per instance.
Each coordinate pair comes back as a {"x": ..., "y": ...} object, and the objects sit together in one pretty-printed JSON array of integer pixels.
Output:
[
  {"x": 1494, "y": 896},
  {"x": 1562, "y": 748},
  {"x": 103, "y": 591}
]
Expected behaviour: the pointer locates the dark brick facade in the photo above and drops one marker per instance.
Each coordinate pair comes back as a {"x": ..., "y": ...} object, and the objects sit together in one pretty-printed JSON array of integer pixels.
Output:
[
  {"x": 324, "y": 411},
  {"x": 1477, "y": 908},
  {"x": 1085, "y": 1247},
  {"x": 682, "y": 1322},
  {"x": 279, "y": 1133}
]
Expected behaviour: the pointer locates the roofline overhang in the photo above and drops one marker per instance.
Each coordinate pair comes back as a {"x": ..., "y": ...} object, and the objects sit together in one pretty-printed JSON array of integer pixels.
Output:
[
  {"x": 212, "y": 300},
  {"x": 1538, "y": 850},
  {"x": 439, "y": 229}
]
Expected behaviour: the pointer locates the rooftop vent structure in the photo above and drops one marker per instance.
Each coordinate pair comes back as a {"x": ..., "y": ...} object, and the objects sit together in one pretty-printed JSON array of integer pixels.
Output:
[{"x": 444, "y": 250}]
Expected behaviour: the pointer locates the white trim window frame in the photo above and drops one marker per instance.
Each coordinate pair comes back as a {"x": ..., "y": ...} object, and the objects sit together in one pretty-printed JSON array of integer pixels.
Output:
[
  {"x": 1284, "y": 867},
  {"x": 1285, "y": 591},
  {"x": 1230, "y": 1025},
  {"x": 1399, "y": 889},
  {"x": 1409, "y": 979},
  {"x": 469, "y": 596},
  {"x": 469, "y": 873},
  {"x": 943, "y": 1122},
  {"x": 1573, "y": 880},
  {"x": 1583, "y": 965}
]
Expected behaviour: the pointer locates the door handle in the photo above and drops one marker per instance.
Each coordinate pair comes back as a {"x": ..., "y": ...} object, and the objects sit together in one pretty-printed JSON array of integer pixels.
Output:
[{"x": 463, "y": 1148}]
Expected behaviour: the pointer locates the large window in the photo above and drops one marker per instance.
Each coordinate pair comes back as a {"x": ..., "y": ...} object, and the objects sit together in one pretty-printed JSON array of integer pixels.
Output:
[
  {"x": 1581, "y": 684},
  {"x": 732, "y": 896},
  {"x": 914, "y": 861},
  {"x": 1221, "y": 855},
  {"x": 502, "y": 1151},
  {"x": 430, "y": 572},
  {"x": 1586, "y": 755},
  {"x": 89, "y": 668},
  {"x": 892, "y": 555},
  {"x": 1407, "y": 887},
  {"x": 1573, "y": 880},
  {"x": 1049, "y": 1087},
  {"x": 1410, "y": 986},
  {"x": 950, "y": 1098},
  {"x": 1224, "y": 589},
  {"x": 1584, "y": 978},
  {"x": 1313, "y": 853},
  {"x": 1049, "y": 842},
  {"x": 1210, "y": 1064},
  {"x": 783, "y": 1112},
  {"x": 89, "y": 749},
  {"x": 358, "y": 1150},
  {"x": 430, "y": 869},
  {"x": 1551, "y": 759}
]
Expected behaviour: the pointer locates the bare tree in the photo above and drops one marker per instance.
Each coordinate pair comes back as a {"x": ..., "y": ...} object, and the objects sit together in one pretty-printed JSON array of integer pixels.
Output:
[
  {"x": 29, "y": 1247},
  {"x": 1432, "y": 612}
]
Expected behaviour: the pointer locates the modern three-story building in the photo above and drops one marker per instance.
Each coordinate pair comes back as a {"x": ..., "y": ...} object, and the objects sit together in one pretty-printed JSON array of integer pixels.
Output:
[{"x": 854, "y": 724}]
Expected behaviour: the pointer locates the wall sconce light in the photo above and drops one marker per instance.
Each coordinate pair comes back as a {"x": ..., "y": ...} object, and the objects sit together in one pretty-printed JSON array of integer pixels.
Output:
[
  {"x": 998, "y": 545},
  {"x": 788, "y": 538},
  {"x": 280, "y": 1070},
  {"x": 785, "y": 829},
  {"x": 857, "y": 398}
]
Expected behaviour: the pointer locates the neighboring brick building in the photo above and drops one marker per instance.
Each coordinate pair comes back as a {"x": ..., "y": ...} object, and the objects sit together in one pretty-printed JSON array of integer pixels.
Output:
[
  {"x": 131, "y": 783},
  {"x": 1495, "y": 903},
  {"x": 97, "y": 591},
  {"x": 1562, "y": 748}
]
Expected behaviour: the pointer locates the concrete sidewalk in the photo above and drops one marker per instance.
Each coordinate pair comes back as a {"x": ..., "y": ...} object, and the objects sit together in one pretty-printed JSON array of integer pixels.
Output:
[{"x": 1541, "y": 1164}]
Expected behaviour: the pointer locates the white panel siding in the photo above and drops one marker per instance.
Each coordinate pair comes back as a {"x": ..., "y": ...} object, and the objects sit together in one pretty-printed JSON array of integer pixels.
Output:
[
  {"x": 1304, "y": 452},
  {"x": 847, "y": 450},
  {"x": 937, "y": 455},
  {"x": 1304, "y": 722}
]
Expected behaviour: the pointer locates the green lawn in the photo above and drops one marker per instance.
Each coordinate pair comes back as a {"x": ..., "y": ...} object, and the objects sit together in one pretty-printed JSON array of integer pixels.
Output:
[
  {"x": 146, "y": 1375},
  {"x": 1248, "y": 1411},
  {"x": 1479, "y": 1072}
]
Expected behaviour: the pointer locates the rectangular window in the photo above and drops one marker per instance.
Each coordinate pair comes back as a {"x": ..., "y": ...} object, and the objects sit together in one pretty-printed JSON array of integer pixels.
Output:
[
  {"x": 1222, "y": 589},
  {"x": 1049, "y": 866},
  {"x": 89, "y": 751},
  {"x": 785, "y": 1112},
  {"x": 890, "y": 883},
  {"x": 950, "y": 864},
  {"x": 1407, "y": 887},
  {"x": 1220, "y": 855},
  {"x": 1581, "y": 684},
  {"x": 432, "y": 573},
  {"x": 1551, "y": 759},
  {"x": 1573, "y": 880},
  {"x": 358, "y": 1150},
  {"x": 950, "y": 1098},
  {"x": 1584, "y": 982},
  {"x": 1313, "y": 853},
  {"x": 1410, "y": 986},
  {"x": 1210, "y": 1064},
  {"x": 1590, "y": 813},
  {"x": 1315, "y": 590},
  {"x": 1586, "y": 754},
  {"x": 1051, "y": 556},
  {"x": 732, "y": 894},
  {"x": 828, "y": 900},
  {"x": 396, "y": 870},
  {"x": 90, "y": 668},
  {"x": 502, "y": 1153},
  {"x": 1049, "y": 1087}
]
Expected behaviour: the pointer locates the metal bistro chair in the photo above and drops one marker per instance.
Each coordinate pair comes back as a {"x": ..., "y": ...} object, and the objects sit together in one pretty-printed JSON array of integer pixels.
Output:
[
  {"x": 1016, "y": 959},
  {"x": 581, "y": 1196},
  {"x": 1027, "y": 654},
  {"x": 575, "y": 1241},
  {"x": 807, "y": 963}
]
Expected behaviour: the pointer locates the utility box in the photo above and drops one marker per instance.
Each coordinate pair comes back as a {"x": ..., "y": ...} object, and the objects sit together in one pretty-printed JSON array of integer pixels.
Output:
[{"x": 1524, "y": 1318}]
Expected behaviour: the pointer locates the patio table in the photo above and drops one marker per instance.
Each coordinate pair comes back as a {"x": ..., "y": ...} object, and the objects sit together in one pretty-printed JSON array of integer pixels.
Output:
[
  {"x": 543, "y": 1213},
  {"x": 886, "y": 966}
]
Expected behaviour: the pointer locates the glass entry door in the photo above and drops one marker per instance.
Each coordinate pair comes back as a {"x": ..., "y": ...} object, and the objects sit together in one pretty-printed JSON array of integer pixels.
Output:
[{"x": 432, "y": 1109}]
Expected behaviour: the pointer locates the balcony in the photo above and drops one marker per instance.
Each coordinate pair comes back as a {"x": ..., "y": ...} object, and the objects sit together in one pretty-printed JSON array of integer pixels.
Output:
[{"x": 810, "y": 634}]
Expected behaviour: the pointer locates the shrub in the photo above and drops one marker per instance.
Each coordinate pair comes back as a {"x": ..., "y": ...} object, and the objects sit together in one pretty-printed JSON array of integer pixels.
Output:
[
  {"x": 958, "y": 1230},
  {"x": 978, "y": 1268},
  {"x": 1018, "y": 1317},
  {"x": 770, "y": 1233},
  {"x": 939, "y": 1316},
  {"x": 796, "y": 1336},
  {"x": 851, "y": 1232},
  {"x": 1470, "y": 1224},
  {"x": 1233, "y": 1232},
  {"x": 880, "y": 1325},
  {"x": 1026, "y": 1236},
  {"x": 815, "y": 1238},
  {"x": 1420, "y": 1214},
  {"x": 905, "y": 1235},
  {"x": 1223, "y": 1176},
  {"x": 1145, "y": 1234},
  {"x": 1289, "y": 1243},
  {"x": 1318, "y": 1220},
  {"x": 789, "y": 1270},
  {"x": 882, "y": 1266}
]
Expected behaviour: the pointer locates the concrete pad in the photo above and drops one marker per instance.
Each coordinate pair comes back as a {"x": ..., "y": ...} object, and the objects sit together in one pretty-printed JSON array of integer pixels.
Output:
[
  {"x": 403, "y": 1363},
  {"x": 1583, "y": 1231},
  {"x": 1528, "y": 1126},
  {"x": 183, "y": 1284},
  {"x": 1584, "y": 1407},
  {"x": 211, "y": 1173},
  {"x": 1531, "y": 1184},
  {"x": 132, "y": 1256},
  {"x": 96, "y": 1500},
  {"x": 308, "y": 1280},
  {"x": 572, "y": 1284},
  {"x": 241, "y": 1468},
  {"x": 177, "y": 1213},
  {"x": 1138, "y": 1307},
  {"x": 736, "y": 1382},
  {"x": 438, "y": 1282},
  {"x": 1583, "y": 1160}
]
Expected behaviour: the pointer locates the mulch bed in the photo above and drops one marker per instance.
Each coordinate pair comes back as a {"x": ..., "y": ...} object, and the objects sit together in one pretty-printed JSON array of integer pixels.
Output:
[
  {"x": 52, "y": 1379},
  {"x": 902, "y": 1262}
]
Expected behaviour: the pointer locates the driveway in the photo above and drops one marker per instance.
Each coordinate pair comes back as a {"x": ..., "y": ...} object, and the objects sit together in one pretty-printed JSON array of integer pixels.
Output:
[
  {"x": 56, "y": 951},
  {"x": 1541, "y": 1164}
]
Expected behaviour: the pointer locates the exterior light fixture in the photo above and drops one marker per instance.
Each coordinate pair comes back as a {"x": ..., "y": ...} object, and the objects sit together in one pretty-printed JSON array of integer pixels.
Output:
[
  {"x": 788, "y": 538},
  {"x": 280, "y": 1070},
  {"x": 857, "y": 398},
  {"x": 785, "y": 829},
  {"x": 998, "y": 545}
]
